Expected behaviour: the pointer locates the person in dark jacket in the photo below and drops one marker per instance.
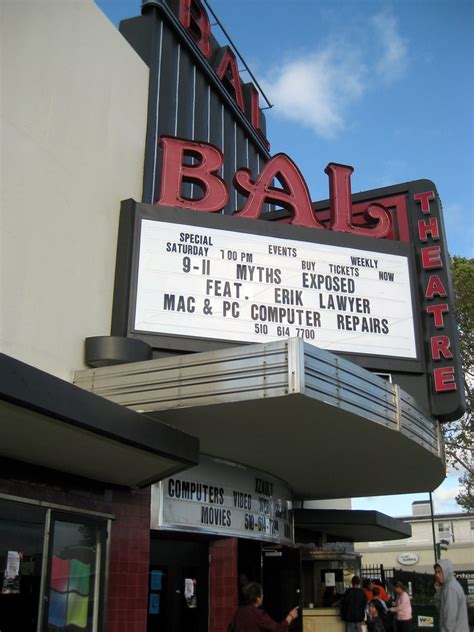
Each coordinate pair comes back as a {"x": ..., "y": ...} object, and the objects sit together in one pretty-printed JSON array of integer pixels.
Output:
[
  {"x": 250, "y": 618},
  {"x": 375, "y": 622},
  {"x": 382, "y": 594},
  {"x": 353, "y": 606}
]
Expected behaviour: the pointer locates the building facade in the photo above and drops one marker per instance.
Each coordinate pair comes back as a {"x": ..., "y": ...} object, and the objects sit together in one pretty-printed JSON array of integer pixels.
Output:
[
  {"x": 74, "y": 471},
  {"x": 454, "y": 531},
  {"x": 187, "y": 373}
]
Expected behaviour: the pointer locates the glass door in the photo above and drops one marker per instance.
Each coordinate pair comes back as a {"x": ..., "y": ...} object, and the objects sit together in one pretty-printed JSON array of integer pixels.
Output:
[
  {"x": 75, "y": 574},
  {"x": 21, "y": 560}
]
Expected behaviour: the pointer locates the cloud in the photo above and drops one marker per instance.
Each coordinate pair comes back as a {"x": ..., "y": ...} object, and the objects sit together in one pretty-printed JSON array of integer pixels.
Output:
[
  {"x": 444, "y": 499},
  {"x": 316, "y": 89},
  {"x": 454, "y": 211},
  {"x": 392, "y": 50},
  {"x": 391, "y": 171}
]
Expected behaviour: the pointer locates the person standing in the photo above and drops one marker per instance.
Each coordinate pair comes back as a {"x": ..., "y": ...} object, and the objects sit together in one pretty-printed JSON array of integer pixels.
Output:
[
  {"x": 450, "y": 599},
  {"x": 367, "y": 586},
  {"x": 402, "y": 607},
  {"x": 377, "y": 597},
  {"x": 382, "y": 594},
  {"x": 250, "y": 618},
  {"x": 375, "y": 622},
  {"x": 353, "y": 606}
]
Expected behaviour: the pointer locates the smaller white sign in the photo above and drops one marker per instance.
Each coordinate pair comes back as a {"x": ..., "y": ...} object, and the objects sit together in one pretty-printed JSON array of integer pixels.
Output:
[
  {"x": 13, "y": 565},
  {"x": 425, "y": 622},
  {"x": 226, "y": 499},
  {"x": 408, "y": 559},
  {"x": 330, "y": 579}
]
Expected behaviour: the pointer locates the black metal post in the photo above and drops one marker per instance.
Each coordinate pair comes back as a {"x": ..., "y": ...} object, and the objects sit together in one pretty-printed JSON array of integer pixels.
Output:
[{"x": 433, "y": 530}]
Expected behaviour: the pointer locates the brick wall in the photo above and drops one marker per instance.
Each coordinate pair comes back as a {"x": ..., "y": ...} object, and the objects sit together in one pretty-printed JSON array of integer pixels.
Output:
[
  {"x": 223, "y": 581},
  {"x": 126, "y": 601},
  {"x": 129, "y": 561}
]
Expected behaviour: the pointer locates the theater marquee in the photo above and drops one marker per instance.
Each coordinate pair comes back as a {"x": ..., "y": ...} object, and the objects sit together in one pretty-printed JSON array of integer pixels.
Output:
[{"x": 223, "y": 284}]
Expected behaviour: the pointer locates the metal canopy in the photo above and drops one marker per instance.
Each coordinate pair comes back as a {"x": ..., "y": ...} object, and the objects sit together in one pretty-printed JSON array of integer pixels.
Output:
[
  {"x": 327, "y": 427},
  {"x": 49, "y": 422},
  {"x": 351, "y": 525}
]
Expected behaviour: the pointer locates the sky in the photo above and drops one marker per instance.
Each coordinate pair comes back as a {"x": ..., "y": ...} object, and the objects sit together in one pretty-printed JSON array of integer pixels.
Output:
[{"x": 386, "y": 86}]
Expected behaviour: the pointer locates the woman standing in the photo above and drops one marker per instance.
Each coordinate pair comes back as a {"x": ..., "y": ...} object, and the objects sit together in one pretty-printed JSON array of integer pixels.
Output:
[
  {"x": 249, "y": 617},
  {"x": 402, "y": 607}
]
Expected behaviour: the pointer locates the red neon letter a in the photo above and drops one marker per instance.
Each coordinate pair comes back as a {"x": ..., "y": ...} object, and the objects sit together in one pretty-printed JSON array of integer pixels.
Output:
[
  {"x": 294, "y": 196},
  {"x": 174, "y": 172},
  {"x": 226, "y": 68}
]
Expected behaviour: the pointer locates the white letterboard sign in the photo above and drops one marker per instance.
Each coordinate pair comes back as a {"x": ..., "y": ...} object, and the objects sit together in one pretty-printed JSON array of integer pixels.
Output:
[
  {"x": 226, "y": 499},
  {"x": 225, "y": 285}
]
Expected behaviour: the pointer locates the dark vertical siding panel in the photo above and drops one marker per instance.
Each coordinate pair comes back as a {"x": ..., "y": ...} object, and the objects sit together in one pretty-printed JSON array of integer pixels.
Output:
[
  {"x": 185, "y": 120},
  {"x": 201, "y": 108},
  {"x": 229, "y": 165},
  {"x": 153, "y": 43},
  {"x": 183, "y": 102},
  {"x": 185, "y": 96},
  {"x": 188, "y": 107},
  {"x": 261, "y": 160},
  {"x": 167, "y": 93},
  {"x": 242, "y": 162},
  {"x": 252, "y": 162},
  {"x": 215, "y": 121},
  {"x": 216, "y": 136}
]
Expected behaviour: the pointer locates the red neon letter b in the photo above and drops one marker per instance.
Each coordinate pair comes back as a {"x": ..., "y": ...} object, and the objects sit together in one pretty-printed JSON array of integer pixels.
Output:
[{"x": 174, "y": 172}]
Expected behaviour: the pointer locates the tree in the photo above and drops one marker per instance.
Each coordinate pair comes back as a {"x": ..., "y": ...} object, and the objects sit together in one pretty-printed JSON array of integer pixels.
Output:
[
  {"x": 459, "y": 434},
  {"x": 465, "y": 498}
]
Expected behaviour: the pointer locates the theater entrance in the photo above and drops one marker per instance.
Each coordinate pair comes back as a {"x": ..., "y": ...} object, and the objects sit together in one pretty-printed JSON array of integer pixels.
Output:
[
  {"x": 282, "y": 583},
  {"x": 178, "y": 593}
]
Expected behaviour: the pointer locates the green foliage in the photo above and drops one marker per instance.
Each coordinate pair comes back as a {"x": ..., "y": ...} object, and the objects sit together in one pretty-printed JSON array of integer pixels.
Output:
[
  {"x": 465, "y": 498},
  {"x": 462, "y": 272},
  {"x": 459, "y": 434}
]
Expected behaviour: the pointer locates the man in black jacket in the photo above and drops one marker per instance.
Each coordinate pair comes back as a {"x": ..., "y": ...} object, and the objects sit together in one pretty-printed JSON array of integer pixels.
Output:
[{"x": 353, "y": 606}]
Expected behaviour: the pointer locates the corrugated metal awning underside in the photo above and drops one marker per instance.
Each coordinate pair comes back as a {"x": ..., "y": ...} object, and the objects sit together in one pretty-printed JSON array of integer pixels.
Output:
[{"x": 327, "y": 427}]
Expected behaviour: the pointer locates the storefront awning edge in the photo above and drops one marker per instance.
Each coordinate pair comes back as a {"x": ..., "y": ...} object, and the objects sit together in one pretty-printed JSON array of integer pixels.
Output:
[
  {"x": 351, "y": 524},
  {"x": 49, "y": 422}
]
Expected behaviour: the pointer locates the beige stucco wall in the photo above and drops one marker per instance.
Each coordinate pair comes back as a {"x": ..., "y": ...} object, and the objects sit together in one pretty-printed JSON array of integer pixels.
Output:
[
  {"x": 73, "y": 121},
  {"x": 340, "y": 503},
  {"x": 460, "y": 551}
]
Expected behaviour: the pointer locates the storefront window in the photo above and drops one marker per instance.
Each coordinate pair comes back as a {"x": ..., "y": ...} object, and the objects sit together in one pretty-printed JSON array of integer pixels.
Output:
[
  {"x": 21, "y": 549},
  {"x": 74, "y": 574}
]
